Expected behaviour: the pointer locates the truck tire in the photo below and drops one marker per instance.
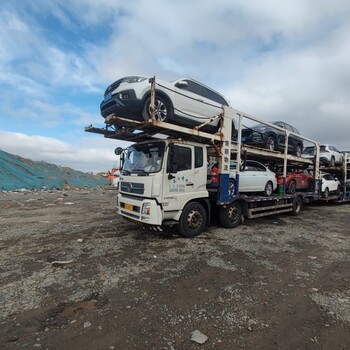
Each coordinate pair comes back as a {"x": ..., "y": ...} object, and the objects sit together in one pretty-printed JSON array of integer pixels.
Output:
[
  {"x": 230, "y": 216},
  {"x": 297, "y": 204},
  {"x": 193, "y": 219}
]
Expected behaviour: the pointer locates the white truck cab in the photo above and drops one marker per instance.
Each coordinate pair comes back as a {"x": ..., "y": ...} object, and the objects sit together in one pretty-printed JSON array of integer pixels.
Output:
[{"x": 158, "y": 180}]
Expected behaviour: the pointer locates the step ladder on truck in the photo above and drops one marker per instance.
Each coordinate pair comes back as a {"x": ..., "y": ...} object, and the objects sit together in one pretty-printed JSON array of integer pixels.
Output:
[{"x": 175, "y": 192}]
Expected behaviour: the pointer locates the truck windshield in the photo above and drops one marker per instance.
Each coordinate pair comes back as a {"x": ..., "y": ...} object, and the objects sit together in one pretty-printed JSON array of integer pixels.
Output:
[{"x": 144, "y": 158}]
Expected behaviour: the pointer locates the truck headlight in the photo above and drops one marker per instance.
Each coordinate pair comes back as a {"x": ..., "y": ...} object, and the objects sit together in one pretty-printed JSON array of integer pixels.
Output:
[{"x": 146, "y": 208}]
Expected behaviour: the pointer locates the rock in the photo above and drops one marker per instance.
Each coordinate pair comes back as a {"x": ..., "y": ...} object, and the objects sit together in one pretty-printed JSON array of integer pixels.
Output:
[
  {"x": 80, "y": 240},
  {"x": 87, "y": 324},
  {"x": 198, "y": 337}
]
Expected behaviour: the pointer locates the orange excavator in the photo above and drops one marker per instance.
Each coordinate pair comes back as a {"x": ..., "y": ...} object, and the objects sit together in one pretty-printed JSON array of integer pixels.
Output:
[{"x": 111, "y": 174}]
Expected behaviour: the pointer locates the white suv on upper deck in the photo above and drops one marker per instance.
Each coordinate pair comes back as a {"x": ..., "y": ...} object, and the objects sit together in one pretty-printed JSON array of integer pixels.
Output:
[
  {"x": 185, "y": 102},
  {"x": 329, "y": 155}
]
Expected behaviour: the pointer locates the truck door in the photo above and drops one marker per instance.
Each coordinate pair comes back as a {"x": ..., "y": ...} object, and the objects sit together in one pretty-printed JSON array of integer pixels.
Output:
[{"x": 179, "y": 184}]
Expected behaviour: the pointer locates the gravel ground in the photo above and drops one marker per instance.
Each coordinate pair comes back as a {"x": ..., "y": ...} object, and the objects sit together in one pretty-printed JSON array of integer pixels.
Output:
[{"x": 76, "y": 276}]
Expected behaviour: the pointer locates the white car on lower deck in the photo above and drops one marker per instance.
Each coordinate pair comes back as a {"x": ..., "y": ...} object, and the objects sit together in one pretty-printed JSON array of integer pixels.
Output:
[
  {"x": 330, "y": 185},
  {"x": 253, "y": 177}
]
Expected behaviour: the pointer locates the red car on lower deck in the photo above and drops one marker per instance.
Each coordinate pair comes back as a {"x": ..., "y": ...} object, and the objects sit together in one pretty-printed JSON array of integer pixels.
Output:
[{"x": 297, "y": 178}]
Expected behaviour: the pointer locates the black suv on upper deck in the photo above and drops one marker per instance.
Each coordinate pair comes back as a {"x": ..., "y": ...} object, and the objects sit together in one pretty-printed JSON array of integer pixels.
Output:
[{"x": 262, "y": 135}]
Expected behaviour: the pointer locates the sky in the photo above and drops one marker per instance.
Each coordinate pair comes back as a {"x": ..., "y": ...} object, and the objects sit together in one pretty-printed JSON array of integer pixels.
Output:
[{"x": 274, "y": 59}]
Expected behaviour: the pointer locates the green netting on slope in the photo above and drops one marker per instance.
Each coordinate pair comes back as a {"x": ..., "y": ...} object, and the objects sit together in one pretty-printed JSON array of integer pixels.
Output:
[{"x": 17, "y": 173}]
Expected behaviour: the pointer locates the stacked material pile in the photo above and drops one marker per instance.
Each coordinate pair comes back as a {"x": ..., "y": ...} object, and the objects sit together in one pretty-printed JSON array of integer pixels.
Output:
[{"x": 20, "y": 173}]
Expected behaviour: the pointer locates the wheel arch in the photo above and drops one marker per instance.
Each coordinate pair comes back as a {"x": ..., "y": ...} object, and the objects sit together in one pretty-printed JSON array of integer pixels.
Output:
[
  {"x": 270, "y": 133},
  {"x": 244, "y": 206},
  {"x": 159, "y": 93},
  {"x": 206, "y": 205}
]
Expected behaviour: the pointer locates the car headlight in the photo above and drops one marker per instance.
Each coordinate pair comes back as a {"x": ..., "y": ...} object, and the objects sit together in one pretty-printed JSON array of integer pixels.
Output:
[
  {"x": 131, "y": 80},
  {"x": 146, "y": 208}
]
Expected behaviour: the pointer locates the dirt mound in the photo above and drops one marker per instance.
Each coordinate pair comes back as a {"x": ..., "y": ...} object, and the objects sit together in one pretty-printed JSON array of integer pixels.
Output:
[{"x": 20, "y": 173}]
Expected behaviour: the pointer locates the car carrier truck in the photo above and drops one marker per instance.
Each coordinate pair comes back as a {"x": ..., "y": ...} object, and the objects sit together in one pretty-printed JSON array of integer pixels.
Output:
[{"x": 164, "y": 176}]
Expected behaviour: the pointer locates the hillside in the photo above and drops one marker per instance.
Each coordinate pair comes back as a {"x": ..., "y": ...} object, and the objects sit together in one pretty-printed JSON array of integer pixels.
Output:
[{"x": 18, "y": 173}]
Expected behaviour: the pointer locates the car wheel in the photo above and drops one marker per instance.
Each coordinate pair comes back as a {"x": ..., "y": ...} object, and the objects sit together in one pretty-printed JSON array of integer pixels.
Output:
[
  {"x": 232, "y": 187},
  {"x": 298, "y": 150},
  {"x": 193, "y": 220},
  {"x": 268, "y": 189},
  {"x": 270, "y": 143},
  {"x": 338, "y": 190},
  {"x": 332, "y": 162},
  {"x": 326, "y": 193},
  {"x": 230, "y": 215},
  {"x": 162, "y": 109},
  {"x": 292, "y": 187}
]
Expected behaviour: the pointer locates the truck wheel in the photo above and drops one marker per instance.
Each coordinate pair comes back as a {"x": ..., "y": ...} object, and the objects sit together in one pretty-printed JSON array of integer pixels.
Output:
[
  {"x": 270, "y": 143},
  {"x": 297, "y": 204},
  {"x": 193, "y": 219},
  {"x": 162, "y": 109},
  {"x": 230, "y": 216},
  {"x": 268, "y": 189},
  {"x": 292, "y": 187}
]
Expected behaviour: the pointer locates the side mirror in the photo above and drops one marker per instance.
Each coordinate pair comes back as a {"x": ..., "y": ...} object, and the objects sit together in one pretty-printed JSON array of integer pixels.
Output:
[
  {"x": 118, "y": 151},
  {"x": 181, "y": 84}
]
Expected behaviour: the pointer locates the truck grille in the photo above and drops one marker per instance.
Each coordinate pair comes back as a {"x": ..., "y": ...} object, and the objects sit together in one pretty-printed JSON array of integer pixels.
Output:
[{"x": 132, "y": 187}]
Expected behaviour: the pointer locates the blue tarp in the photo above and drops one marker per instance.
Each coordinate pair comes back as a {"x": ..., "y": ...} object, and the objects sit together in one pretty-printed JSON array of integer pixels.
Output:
[{"x": 17, "y": 173}]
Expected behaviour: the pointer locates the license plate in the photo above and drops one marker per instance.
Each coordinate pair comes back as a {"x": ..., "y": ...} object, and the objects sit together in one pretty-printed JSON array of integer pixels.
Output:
[
  {"x": 128, "y": 206},
  {"x": 108, "y": 97}
]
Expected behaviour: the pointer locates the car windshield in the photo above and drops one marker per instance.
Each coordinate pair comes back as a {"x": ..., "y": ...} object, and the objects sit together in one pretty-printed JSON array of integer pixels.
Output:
[
  {"x": 258, "y": 126},
  {"x": 144, "y": 158}
]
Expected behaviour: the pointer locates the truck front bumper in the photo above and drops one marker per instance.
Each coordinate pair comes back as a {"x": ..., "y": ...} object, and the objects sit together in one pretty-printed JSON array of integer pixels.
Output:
[{"x": 145, "y": 211}]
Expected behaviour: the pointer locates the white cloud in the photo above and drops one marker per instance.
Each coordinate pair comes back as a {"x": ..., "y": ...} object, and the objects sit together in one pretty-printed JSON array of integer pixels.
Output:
[
  {"x": 275, "y": 59},
  {"x": 88, "y": 154}
]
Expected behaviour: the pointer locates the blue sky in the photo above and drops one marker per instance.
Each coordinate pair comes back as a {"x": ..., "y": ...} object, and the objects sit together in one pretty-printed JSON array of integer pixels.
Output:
[{"x": 273, "y": 59}]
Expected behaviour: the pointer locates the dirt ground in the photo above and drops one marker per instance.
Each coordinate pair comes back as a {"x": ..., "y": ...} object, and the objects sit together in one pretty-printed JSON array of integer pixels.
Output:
[{"x": 76, "y": 276}]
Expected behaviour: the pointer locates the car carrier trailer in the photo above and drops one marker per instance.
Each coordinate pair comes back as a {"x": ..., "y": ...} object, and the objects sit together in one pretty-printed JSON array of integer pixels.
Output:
[{"x": 178, "y": 195}]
